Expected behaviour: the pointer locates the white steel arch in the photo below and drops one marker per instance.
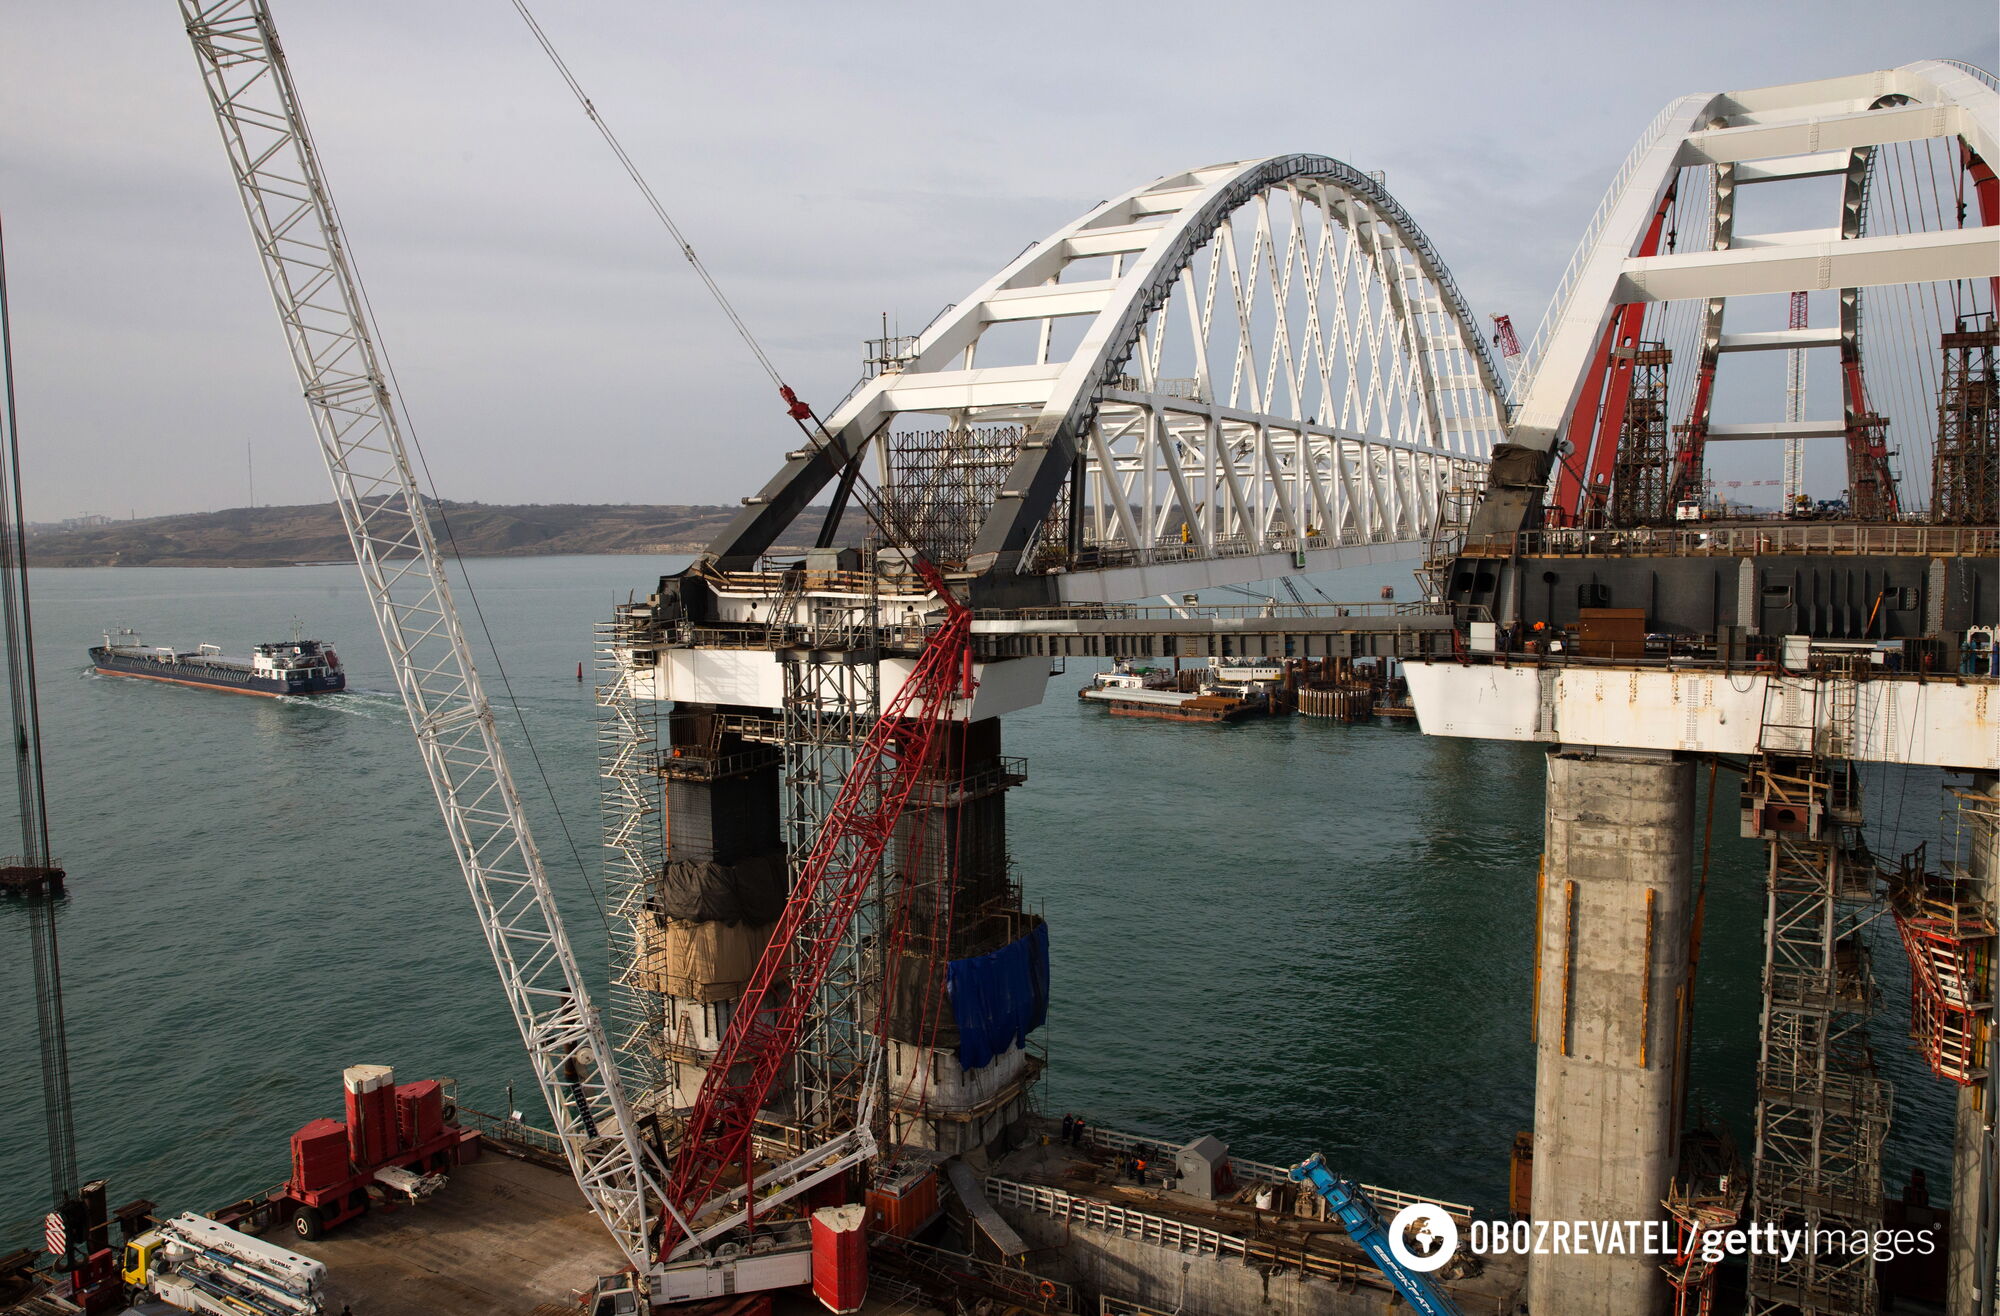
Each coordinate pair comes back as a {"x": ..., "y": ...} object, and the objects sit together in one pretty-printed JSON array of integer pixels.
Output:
[
  {"x": 1240, "y": 371},
  {"x": 1799, "y": 130}
]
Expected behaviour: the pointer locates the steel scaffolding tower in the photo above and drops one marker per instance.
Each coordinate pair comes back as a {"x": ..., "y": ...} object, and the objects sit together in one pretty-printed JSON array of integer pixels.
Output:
[
  {"x": 1965, "y": 467},
  {"x": 1642, "y": 476},
  {"x": 833, "y": 697},
  {"x": 1822, "y": 1113},
  {"x": 634, "y": 849}
]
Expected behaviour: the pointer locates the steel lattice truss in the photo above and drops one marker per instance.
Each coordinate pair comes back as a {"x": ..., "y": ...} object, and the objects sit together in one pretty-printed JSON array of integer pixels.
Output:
[
  {"x": 1246, "y": 370},
  {"x": 318, "y": 300},
  {"x": 1822, "y": 1112}
]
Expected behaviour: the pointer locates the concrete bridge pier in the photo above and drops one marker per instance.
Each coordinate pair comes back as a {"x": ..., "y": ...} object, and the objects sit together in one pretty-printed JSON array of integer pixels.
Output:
[{"x": 1612, "y": 956}]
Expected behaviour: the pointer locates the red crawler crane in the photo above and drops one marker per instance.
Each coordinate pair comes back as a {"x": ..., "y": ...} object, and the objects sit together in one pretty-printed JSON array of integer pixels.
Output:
[{"x": 765, "y": 1027}]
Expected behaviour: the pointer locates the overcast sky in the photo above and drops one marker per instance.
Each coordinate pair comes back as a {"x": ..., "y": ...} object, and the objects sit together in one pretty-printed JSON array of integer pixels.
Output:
[{"x": 830, "y": 161}]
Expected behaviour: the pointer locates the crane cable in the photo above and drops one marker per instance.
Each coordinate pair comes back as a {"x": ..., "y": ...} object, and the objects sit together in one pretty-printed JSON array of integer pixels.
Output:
[
  {"x": 653, "y": 201},
  {"x": 873, "y": 504}
]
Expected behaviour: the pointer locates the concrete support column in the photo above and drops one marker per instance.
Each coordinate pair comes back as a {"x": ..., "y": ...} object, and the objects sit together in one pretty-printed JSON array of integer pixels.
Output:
[
  {"x": 1975, "y": 1177},
  {"x": 1616, "y": 900}
]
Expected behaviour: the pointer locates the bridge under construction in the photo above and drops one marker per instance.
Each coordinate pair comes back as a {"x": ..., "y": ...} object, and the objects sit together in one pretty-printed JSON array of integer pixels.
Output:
[
  {"x": 1252, "y": 370},
  {"x": 826, "y": 978}
]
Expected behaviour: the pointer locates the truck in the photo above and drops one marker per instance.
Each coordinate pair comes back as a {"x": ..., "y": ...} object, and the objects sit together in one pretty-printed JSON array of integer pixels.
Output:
[{"x": 201, "y": 1265}]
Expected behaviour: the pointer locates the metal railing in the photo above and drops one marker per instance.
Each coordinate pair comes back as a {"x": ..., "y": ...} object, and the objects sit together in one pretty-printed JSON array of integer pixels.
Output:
[
  {"x": 1974, "y": 70},
  {"x": 1389, "y": 1199},
  {"x": 1179, "y": 1235},
  {"x": 515, "y": 1138},
  {"x": 1181, "y": 612},
  {"x": 936, "y": 789},
  {"x": 1744, "y": 541},
  {"x": 685, "y": 765}
]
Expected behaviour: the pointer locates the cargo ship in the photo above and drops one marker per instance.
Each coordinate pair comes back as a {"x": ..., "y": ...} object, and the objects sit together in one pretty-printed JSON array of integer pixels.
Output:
[{"x": 292, "y": 667}]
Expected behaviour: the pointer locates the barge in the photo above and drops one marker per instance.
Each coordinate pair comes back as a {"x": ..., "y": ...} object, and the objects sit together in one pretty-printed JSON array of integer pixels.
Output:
[
  {"x": 294, "y": 667},
  {"x": 1155, "y": 692}
]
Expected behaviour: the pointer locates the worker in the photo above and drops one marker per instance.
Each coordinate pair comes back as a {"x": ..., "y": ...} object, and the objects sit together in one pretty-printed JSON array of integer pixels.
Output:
[
  {"x": 1081, "y": 1126},
  {"x": 1540, "y": 642},
  {"x": 1139, "y": 1171},
  {"x": 1069, "y": 1128}
]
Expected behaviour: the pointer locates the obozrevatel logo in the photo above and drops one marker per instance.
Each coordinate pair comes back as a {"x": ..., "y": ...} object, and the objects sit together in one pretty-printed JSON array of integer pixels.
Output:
[{"x": 1433, "y": 1230}]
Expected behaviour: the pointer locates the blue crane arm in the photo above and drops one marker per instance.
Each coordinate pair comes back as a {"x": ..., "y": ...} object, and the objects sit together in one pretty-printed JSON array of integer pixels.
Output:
[{"x": 1364, "y": 1225}]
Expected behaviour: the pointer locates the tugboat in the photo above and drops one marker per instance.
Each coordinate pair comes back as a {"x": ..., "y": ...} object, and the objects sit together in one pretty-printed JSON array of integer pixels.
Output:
[{"x": 295, "y": 667}]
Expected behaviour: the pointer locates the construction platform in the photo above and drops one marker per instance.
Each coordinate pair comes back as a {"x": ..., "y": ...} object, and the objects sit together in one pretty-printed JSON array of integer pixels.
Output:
[
  {"x": 1080, "y": 1217},
  {"x": 506, "y": 1238}
]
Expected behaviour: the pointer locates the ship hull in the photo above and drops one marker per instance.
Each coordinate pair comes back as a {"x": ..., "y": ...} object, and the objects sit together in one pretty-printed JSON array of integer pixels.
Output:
[{"x": 228, "y": 679}]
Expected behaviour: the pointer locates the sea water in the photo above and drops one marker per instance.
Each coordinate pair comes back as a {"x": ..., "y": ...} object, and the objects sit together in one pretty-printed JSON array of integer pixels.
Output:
[{"x": 1295, "y": 934}]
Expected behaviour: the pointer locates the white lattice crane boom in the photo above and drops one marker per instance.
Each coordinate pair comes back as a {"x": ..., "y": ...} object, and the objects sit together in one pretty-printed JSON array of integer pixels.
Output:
[{"x": 298, "y": 237}]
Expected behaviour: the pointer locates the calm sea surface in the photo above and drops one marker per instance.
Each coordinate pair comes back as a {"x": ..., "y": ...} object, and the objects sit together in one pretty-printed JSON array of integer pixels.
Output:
[{"x": 1295, "y": 934}]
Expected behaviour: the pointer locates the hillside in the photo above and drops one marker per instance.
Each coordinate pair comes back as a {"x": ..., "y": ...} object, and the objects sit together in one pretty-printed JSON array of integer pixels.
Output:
[{"x": 281, "y": 536}]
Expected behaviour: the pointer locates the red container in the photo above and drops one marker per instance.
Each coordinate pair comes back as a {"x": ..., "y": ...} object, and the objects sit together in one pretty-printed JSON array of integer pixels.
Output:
[
  {"x": 419, "y": 1112},
  {"x": 371, "y": 1113},
  {"x": 905, "y": 1203},
  {"x": 840, "y": 1257},
  {"x": 319, "y": 1156}
]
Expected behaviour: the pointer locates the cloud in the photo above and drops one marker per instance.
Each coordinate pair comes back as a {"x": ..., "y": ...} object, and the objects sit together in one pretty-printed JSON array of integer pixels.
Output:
[{"x": 829, "y": 162}]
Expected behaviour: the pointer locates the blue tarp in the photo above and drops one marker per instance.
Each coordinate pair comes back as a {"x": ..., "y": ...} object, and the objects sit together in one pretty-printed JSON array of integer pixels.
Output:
[{"x": 999, "y": 998}]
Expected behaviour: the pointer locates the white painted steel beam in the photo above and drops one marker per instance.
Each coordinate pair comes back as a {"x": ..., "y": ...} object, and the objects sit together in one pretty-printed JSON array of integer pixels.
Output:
[
  {"x": 1972, "y": 253},
  {"x": 1939, "y": 723},
  {"x": 1049, "y": 300},
  {"x": 1773, "y": 340},
  {"x": 1820, "y": 164},
  {"x": 1175, "y": 578},
  {"x": 1842, "y": 132},
  {"x": 1779, "y": 429},
  {"x": 1793, "y": 238}
]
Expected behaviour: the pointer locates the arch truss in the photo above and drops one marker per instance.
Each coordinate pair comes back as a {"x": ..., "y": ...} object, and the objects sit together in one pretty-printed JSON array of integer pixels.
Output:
[
  {"x": 1614, "y": 419},
  {"x": 1227, "y": 374}
]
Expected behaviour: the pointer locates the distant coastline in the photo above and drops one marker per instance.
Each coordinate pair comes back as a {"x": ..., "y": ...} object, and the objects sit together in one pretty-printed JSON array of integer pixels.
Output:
[{"x": 313, "y": 534}]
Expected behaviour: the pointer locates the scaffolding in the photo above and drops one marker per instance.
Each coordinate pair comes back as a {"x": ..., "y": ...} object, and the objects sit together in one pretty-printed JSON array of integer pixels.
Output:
[
  {"x": 1456, "y": 501},
  {"x": 634, "y": 848},
  {"x": 1965, "y": 465},
  {"x": 941, "y": 483},
  {"x": 1642, "y": 473},
  {"x": 1705, "y": 1198},
  {"x": 1822, "y": 1111},
  {"x": 833, "y": 698},
  {"x": 1946, "y": 920}
]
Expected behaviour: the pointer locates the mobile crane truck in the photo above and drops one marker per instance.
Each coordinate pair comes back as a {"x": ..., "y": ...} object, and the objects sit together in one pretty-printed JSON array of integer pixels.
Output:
[
  {"x": 201, "y": 1265},
  {"x": 1364, "y": 1225}
]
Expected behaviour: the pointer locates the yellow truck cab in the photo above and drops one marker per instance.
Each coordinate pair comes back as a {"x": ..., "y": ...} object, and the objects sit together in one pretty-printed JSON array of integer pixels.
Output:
[{"x": 140, "y": 1258}]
